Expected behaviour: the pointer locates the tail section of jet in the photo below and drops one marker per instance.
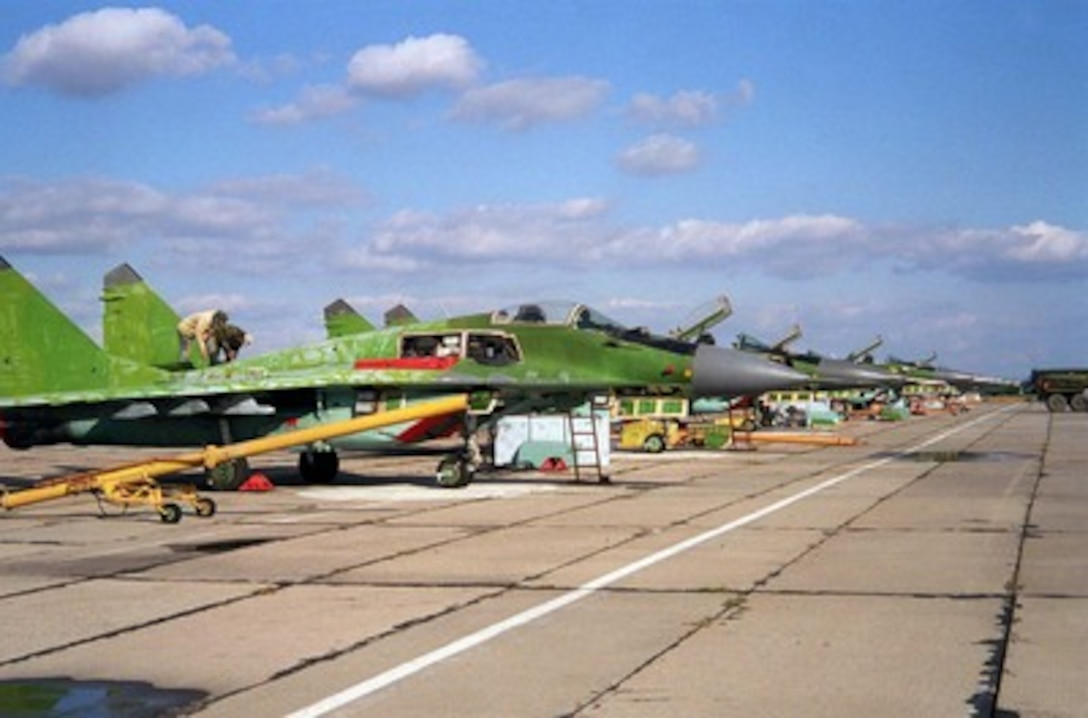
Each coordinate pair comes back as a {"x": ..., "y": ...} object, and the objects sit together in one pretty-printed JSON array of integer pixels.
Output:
[
  {"x": 42, "y": 351},
  {"x": 342, "y": 320},
  {"x": 138, "y": 324}
]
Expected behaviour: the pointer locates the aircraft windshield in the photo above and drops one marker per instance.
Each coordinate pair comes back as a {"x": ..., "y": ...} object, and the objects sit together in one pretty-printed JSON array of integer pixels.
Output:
[
  {"x": 750, "y": 343},
  {"x": 579, "y": 316},
  {"x": 570, "y": 314}
]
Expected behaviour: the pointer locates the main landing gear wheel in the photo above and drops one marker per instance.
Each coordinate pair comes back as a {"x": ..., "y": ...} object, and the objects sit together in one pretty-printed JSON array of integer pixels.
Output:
[
  {"x": 318, "y": 467},
  {"x": 228, "y": 476},
  {"x": 454, "y": 472}
]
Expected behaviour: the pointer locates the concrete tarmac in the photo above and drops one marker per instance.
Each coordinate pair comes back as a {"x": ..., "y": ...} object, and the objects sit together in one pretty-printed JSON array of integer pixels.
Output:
[{"x": 937, "y": 568}]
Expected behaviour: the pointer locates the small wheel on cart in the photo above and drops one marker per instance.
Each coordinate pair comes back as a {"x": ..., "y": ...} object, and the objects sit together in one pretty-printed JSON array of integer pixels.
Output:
[
  {"x": 204, "y": 507},
  {"x": 170, "y": 513},
  {"x": 654, "y": 444}
]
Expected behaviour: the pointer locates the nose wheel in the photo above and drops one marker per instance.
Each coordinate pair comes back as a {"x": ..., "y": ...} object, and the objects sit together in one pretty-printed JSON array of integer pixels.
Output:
[{"x": 455, "y": 472}]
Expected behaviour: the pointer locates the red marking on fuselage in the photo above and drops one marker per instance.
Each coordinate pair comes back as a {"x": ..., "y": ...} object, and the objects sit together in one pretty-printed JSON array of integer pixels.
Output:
[
  {"x": 433, "y": 427},
  {"x": 409, "y": 363}
]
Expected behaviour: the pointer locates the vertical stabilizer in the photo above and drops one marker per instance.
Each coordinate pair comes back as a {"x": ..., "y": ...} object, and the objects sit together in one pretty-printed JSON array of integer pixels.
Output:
[
  {"x": 137, "y": 324},
  {"x": 399, "y": 316},
  {"x": 342, "y": 320},
  {"x": 41, "y": 350}
]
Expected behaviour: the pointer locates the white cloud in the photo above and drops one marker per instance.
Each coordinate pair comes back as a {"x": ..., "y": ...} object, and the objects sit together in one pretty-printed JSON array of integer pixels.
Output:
[
  {"x": 97, "y": 53},
  {"x": 315, "y": 188},
  {"x": 701, "y": 238},
  {"x": 523, "y": 103},
  {"x": 1037, "y": 250},
  {"x": 688, "y": 108},
  {"x": 272, "y": 221},
  {"x": 89, "y": 215},
  {"x": 1043, "y": 242},
  {"x": 659, "y": 154},
  {"x": 792, "y": 247},
  {"x": 316, "y": 102},
  {"x": 266, "y": 219},
  {"x": 579, "y": 232},
  {"x": 414, "y": 66},
  {"x": 558, "y": 233}
]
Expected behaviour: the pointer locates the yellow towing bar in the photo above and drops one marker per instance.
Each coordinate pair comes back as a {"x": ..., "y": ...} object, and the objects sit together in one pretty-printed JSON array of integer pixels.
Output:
[{"x": 130, "y": 484}]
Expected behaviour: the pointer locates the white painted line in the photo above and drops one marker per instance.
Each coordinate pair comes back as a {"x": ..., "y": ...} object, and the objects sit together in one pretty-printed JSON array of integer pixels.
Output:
[{"x": 409, "y": 668}]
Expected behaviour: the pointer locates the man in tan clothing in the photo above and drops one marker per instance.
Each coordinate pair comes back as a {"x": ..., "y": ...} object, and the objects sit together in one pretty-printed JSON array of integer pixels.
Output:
[{"x": 205, "y": 329}]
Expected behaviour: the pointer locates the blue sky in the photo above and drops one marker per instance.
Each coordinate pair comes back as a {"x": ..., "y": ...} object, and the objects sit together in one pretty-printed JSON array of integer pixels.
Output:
[{"x": 917, "y": 171}]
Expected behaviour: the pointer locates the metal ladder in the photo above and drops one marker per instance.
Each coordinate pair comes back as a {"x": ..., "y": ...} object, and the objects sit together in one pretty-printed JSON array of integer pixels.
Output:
[{"x": 583, "y": 439}]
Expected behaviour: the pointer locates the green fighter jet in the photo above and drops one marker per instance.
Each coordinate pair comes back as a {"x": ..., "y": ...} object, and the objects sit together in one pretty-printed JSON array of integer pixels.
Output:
[
  {"x": 57, "y": 385},
  {"x": 925, "y": 371},
  {"x": 823, "y": 372}
]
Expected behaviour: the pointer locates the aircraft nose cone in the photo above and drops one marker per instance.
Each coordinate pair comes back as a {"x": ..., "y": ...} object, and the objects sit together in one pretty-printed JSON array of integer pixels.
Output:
[
  {"x": 720, "y": 371},
  {"x": 848, "y": 375}
]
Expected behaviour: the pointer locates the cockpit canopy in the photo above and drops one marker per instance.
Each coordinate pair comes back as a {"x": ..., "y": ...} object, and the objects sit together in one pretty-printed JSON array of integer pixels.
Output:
[
  {"x": 571, "y": 314},
  {"x": 580, "y": 316}
]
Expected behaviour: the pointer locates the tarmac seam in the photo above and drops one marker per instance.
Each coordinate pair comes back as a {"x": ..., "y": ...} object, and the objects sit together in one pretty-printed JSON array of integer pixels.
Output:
[
  {"x": 1014, "y": 593},
  {"x": 131, "y": 628},
  {"x": 729, "y": 610}
]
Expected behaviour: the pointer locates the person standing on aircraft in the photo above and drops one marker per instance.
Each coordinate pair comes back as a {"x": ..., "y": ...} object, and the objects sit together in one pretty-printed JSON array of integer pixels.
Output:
[
  {"x": 230, "y": 342},
  {"x": 204, "y": 328}
]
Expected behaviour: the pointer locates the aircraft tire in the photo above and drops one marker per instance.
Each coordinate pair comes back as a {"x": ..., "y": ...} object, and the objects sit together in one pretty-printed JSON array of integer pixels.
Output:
[
  {"x": 318, "y": 467},
  {"x": 228, "y": 476},
  {"x": 454, "y": 473}
]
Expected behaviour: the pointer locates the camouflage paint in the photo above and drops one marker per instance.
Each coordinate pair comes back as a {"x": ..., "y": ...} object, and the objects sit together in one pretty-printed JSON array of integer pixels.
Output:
[{"x": 137, "y": 324}]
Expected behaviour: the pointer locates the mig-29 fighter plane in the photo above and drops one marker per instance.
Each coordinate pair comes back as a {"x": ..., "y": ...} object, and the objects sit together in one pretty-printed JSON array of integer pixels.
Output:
[
  {"x": 57, "y": 385},
  {"x": 925, "y": 371},
  {"x": 823, "y": 372}
]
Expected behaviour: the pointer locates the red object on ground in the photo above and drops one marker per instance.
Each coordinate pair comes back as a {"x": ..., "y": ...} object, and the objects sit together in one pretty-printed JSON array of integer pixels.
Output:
[
  {"x": 553, "y": 464},
  {"x": 257, "y": 482}
]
